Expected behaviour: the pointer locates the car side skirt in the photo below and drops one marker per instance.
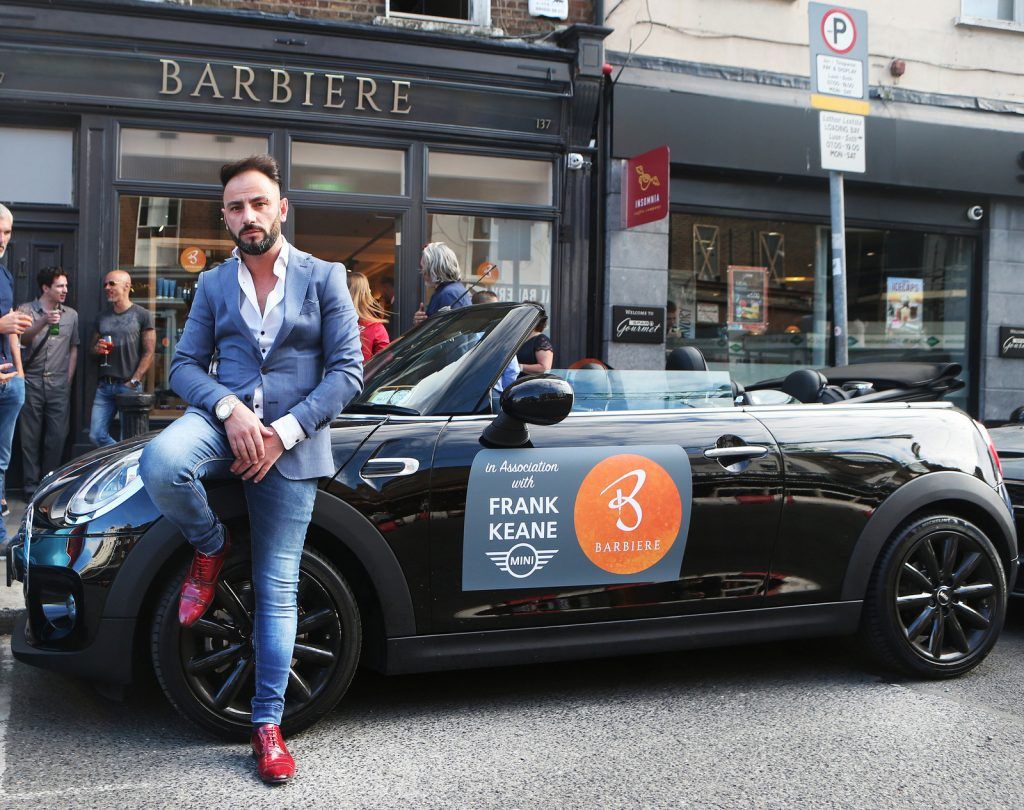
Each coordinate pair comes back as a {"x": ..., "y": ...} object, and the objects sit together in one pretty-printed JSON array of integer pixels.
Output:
[{"x": 628, "y": 637}]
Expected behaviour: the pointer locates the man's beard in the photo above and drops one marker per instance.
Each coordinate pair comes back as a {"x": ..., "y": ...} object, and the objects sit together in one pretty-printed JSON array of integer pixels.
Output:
[{"x": 264, "y": 244}]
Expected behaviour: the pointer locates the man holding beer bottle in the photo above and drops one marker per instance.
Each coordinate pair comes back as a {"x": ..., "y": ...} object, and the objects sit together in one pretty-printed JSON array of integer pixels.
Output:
[
  {"x": 49, "y": 353},
  {"x": 124, "y": 340}
]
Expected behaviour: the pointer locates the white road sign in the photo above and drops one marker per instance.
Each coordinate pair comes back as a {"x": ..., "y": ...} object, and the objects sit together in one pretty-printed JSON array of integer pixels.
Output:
[
  {"x": 842, "y": 142},
  {"x": 840, "y": 77}
]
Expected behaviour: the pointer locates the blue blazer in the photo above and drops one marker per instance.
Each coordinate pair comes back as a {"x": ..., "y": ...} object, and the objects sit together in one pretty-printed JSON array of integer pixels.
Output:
[{"x": 313, "y": 369}]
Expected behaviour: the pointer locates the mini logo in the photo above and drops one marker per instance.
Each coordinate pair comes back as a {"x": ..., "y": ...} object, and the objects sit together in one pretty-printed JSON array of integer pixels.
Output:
[{"x": 521, "y": 560}]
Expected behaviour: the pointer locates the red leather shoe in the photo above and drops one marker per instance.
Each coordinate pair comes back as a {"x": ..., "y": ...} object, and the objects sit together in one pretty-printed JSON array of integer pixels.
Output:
[
  {"x": 197, "y": 590},
  {"x": 273, "y": 762}
]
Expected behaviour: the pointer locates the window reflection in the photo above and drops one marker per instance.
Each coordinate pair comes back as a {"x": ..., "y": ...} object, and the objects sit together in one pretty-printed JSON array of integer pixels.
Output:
[{"x": 755, "y": 295}]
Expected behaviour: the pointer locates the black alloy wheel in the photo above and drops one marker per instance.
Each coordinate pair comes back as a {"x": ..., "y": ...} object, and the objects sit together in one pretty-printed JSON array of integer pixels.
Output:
[
  {"x": 207, "y": 671},
  {"x": 937, "y": 599}
]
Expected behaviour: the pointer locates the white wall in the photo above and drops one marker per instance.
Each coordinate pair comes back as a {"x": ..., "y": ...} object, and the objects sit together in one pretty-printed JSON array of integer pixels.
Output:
[{"x": 771, "y": 35}]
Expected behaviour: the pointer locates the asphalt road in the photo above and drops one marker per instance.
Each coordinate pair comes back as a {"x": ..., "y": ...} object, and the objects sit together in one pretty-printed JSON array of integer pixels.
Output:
[{"x": 781, "y": 725}]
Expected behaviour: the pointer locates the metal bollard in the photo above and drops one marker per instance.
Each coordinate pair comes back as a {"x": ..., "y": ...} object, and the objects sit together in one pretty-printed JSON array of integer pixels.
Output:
[{"x": 134, "y": 413}]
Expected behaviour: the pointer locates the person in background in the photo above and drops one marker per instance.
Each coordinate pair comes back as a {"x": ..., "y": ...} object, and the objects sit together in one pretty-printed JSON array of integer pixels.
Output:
[
  {"x": 372, "y": 316},
  {"x": 512, "y": 370},
  {"x": 126, "y": 359},
  {"x": 537, "y": 354},
  {"x": 50, "y": 356},
  {"x": 386, "y": 299},
  {"x": 12, "y": 377},
  {"x": 439, "y": 267}
]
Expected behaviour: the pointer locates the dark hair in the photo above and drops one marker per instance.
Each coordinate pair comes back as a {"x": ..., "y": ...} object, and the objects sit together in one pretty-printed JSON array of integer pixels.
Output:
[
  {"x": 264, "y": 164},
  {"x": 46, "y": 276}
]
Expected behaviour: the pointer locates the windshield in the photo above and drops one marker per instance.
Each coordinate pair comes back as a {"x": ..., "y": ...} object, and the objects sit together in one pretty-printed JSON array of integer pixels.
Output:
[
  {"x": 411, "y": 374},
  {"x": 613, "y": 390}
]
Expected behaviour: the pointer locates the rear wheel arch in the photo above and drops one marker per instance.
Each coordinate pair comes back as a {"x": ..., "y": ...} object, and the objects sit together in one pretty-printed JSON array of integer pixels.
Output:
[{"x": 948, "y": 492}]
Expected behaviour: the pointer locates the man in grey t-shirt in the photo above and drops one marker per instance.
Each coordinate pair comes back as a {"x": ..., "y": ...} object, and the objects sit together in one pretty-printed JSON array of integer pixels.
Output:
[
  {"x": 125, "y": 358},
  {"x": 49, "y": 353}
]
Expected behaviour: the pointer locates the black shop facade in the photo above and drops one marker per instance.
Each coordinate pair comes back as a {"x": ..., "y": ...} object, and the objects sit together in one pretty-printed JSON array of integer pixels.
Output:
[{"x": 115, "y": 118}]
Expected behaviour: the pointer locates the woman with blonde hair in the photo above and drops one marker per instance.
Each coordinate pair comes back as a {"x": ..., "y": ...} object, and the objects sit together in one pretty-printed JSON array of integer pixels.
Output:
[{"x": 371, "y": 314}]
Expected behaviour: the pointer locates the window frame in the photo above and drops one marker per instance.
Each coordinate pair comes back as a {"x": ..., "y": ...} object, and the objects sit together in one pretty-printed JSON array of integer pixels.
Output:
[
  {"x": 970, "y": 20},
  {"x": 479, "y": 15}
]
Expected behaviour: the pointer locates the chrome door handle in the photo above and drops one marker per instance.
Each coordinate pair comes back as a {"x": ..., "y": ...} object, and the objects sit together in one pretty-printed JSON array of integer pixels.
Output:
[
  {"x": 730, "y": 455},
  {"x": 389, "y": 467}
]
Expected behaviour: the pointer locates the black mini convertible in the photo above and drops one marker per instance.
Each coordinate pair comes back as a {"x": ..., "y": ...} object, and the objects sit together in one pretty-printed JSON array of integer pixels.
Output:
[{"x": 582, "y": 513}]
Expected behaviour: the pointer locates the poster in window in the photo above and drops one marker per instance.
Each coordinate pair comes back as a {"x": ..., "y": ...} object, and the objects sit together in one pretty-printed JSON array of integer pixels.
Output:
[
  {"x": 681, "y": 308},
  {"x": 708, "y": 313},
  {"x": 748, "y": 297},
  {"x": 904, "y": 306}
]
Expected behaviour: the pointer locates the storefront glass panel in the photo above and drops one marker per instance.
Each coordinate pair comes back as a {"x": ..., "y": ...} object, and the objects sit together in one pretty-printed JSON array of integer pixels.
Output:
[
  {"x": 364, "y": 241},
  {"x": 511, "y": 257},
  {"x": 347, "y": 169},
  {"x": 39, "y": 165},
  {"x": 489, "y": 179},
  {"x": 755, "y": 295},
  {"x": 182, "y": 157},
  {"x": 164, "y": 243}
]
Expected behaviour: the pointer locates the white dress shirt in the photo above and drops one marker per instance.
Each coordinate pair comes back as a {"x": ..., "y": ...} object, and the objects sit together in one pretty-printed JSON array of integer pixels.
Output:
[{"x": 265, "y": 327}]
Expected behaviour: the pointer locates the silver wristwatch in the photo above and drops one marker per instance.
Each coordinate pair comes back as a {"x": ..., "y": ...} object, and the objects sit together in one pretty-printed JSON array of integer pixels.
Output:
[{"x": 224, "y": 408}]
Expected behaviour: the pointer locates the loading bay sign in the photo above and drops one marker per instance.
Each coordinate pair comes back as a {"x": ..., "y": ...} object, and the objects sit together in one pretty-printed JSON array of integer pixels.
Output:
[{"x": 838, "y": 39}]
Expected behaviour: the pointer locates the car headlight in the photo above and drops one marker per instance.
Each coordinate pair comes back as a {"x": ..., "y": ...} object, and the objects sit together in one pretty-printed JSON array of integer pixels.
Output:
[{"x": 113, "y": 484}]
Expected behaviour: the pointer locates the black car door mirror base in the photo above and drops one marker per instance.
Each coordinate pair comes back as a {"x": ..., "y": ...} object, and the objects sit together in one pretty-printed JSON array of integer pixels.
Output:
[{"x": 542, "y": 399}]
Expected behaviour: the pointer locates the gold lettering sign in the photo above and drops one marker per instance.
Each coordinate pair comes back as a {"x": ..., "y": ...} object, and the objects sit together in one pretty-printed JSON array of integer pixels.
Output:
[{"x": 331, "y": 91}]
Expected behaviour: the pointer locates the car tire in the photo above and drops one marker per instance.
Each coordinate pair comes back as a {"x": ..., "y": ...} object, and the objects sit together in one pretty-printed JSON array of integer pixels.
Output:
[
  {"x": 936, "y": 600},
  {"x": 206, "y": 671}
]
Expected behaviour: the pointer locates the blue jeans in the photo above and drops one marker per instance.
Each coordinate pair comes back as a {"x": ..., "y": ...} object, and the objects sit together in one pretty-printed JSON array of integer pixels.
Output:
[
  {"x": 12, "y": 397},
  {"x": 172, "y": 467},
  {"x": 104, "y": 409}
]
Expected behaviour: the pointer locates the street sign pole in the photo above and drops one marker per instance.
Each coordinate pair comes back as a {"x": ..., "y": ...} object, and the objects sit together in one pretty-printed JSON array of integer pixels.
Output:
[
  {"x": 838, "y": 208},
  {"x": 839, "y": 90}
]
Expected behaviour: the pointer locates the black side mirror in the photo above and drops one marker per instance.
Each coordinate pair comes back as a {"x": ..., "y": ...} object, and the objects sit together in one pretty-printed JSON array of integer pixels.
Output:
[
  {"x": 542, "y": 399},
  {"x": 1017, "y": 415}
]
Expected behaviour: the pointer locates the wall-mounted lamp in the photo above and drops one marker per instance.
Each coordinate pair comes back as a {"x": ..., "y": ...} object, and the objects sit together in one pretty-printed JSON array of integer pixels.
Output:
[{"x": 897, "y": 67}]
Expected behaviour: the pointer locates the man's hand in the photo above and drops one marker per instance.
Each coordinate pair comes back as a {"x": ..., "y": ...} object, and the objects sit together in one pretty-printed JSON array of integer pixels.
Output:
[
  {"x": 419, "y": 316},
  {"x": 7, "y": 372},
  {"x": 52, "y": 316},
  {"x": 245, "y": 435},
  {"x": 14, "y": 323},
  {"x": 274, "y": 449}
]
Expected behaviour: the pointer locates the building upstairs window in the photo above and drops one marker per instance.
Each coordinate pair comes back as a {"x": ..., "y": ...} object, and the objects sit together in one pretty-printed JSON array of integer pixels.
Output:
[
  {"x": 1011, "y": 11},
  {"x": 466, "y": 12}
]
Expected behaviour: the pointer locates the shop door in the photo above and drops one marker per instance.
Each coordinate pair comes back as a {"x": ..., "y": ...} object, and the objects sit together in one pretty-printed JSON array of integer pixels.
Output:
[
  {"x": 366, "y": 242},
  {"x": 29, "y": 251}
]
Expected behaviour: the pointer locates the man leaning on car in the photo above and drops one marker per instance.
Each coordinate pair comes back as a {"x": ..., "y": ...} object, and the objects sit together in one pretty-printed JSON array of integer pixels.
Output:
[{"x": 284, "y": 332}]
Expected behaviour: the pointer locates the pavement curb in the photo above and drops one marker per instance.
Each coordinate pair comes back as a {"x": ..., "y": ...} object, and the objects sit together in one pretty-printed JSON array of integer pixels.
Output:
[{"x": 8, "y": 616}]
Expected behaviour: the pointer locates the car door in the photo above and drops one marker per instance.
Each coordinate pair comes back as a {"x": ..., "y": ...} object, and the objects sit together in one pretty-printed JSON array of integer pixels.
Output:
[{"x": 730, "y": 513}]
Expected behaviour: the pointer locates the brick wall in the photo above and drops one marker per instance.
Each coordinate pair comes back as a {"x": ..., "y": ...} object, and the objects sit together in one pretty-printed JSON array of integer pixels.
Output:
[{"x": 512, "y": 16}]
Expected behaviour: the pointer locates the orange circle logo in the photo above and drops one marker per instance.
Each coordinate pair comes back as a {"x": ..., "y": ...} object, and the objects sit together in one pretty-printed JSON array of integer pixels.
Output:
[{"x": 627, "y": 514}]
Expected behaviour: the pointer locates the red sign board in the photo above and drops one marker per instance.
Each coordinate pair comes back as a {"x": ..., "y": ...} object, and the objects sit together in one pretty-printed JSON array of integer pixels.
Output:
[{"x": 645, "y": 188}]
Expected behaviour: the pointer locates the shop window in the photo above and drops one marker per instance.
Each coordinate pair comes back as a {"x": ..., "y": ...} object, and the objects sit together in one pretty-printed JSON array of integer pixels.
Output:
[
  {"x": 347, "y": 169},
  {"x": 475, "y": 12},
  {"x": 364, "y": 241},
  {"x": 43, "y": 171},
  {"x": 755, "y": 295},
  {"x": 182, "y": 157},
  {"x": 1006, "y": 10},
  {"x": 481, "y": 178},
  {"x": 509, "y": 257},
  {"x": 164, "y": 244}
]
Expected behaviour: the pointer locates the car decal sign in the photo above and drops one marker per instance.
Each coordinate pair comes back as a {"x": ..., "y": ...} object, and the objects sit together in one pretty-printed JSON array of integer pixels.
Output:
[{"x": 575, "y": 516}]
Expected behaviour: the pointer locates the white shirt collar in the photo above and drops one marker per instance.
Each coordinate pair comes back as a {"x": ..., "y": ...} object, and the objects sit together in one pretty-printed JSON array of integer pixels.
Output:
[{"x": 280, "y": 264}]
